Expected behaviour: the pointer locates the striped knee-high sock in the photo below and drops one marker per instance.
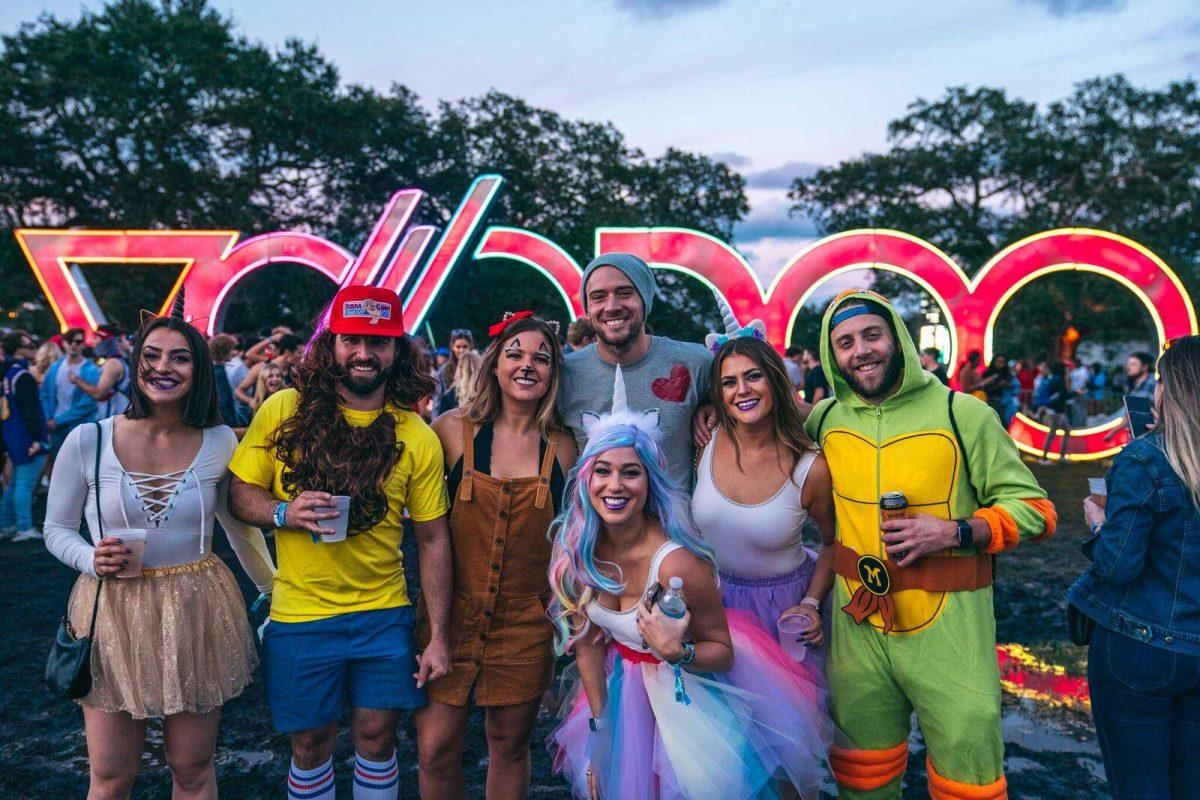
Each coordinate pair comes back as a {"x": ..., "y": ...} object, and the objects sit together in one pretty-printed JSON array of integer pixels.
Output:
[
  {"x": 376, "y": 780},
  {"x": 311, "y": 784}
]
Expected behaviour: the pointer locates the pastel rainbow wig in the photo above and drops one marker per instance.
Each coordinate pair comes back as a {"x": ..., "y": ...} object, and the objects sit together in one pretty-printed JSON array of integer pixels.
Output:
[{"x": 574, "y": 573}]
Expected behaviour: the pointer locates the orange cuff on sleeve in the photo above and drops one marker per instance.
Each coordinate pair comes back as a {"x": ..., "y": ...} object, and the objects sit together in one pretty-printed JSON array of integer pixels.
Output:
[
  {"x": 1004, "y": 529},
  {"x": 941, "y": 788},
  {"x": 865, "y": 770},
  {"x": 1049, "y": 514}
]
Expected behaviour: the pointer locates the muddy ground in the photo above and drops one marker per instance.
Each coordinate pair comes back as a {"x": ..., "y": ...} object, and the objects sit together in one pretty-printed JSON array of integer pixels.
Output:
[{"x": 1050, "y": 751}]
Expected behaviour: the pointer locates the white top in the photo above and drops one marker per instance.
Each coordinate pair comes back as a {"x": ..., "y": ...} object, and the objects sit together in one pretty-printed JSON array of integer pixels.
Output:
[
  {"x": 621, "y": 625},
  {"x": 752, "y": 540},
  {"x": 64, "y": 390},
  {"x": 179, "y": 525}
]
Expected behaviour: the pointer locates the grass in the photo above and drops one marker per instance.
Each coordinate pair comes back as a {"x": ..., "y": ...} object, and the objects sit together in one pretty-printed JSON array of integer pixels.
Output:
[{"x": 45, "y": 753}]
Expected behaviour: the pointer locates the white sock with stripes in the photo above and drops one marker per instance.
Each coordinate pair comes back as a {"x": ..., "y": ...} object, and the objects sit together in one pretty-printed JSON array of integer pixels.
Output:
[
  {"x": 376, "y": 780},
  {"x": 311, "y": 784}
]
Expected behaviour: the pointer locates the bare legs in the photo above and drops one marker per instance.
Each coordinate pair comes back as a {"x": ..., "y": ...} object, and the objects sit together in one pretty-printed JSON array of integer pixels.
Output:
[
  {"x": 115, "y": 741},
  {"x": 441, "y": 731}
]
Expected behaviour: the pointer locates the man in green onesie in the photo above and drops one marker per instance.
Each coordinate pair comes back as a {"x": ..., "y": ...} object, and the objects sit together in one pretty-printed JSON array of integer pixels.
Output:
[{"x": 913, "y": 627}]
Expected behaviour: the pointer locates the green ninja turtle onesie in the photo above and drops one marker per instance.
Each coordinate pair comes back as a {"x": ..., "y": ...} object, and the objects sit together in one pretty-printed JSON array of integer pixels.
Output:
[{"x": 922, "y": 637}]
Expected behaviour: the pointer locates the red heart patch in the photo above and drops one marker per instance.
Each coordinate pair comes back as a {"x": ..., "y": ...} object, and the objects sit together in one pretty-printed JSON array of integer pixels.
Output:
[{"x": 673, "y": 389}]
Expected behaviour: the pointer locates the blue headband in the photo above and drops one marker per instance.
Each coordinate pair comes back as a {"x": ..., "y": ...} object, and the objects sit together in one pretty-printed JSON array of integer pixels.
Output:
[{"x": 850, "y": 311}]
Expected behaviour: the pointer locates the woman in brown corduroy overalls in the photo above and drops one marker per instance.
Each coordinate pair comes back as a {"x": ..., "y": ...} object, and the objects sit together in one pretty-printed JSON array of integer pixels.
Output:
[{"x": 507, "y": 459}]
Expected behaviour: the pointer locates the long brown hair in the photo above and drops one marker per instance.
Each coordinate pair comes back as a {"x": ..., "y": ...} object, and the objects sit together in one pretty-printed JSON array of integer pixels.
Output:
[
  {"x": 322, "y": 451},
  {"x": 1179, "y": 408},
  {"x": 485, "y": 406},
  {"x": 786, "y": 419}
]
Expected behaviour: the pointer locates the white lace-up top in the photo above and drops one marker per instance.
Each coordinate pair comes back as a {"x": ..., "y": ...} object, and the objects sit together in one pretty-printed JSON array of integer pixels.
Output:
[{"x": 178, "y": 522}]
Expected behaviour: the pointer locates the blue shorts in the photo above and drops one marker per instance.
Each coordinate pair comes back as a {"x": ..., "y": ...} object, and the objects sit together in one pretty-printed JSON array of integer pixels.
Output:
[{"x": 310, "y": 666}]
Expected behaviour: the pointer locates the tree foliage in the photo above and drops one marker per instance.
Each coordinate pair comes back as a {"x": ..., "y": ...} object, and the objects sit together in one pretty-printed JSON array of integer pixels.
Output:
[
  {"x": 159, "y": 115},
  {"x": 976, "y": 170}
]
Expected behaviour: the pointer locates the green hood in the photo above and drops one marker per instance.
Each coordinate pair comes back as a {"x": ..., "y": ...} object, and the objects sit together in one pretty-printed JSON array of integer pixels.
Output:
[{"x": 914, "y": 376}]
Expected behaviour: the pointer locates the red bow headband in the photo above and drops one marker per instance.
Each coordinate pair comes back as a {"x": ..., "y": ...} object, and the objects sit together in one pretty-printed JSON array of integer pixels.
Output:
[{"x": 509, "y": 318}]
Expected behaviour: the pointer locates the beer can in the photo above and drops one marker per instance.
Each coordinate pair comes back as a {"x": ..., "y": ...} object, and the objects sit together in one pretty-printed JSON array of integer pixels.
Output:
[{"x": 893, "y": 505}]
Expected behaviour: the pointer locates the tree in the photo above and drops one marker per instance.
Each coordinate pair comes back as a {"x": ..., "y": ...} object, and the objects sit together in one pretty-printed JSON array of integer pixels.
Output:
[
  {"x": 566, "y": 178},
  {"x": 158, "y": 115},
  {"x": 976, "y": 170}
]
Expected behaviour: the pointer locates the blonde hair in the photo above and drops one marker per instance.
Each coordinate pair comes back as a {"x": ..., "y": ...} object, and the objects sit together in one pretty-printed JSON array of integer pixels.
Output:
[
  {"x": 46, "y": 355},
  {"x": 1179, "y": 408},
  {"x": 466, "y": 377},
  {"x": 485, "y": 405},
  {"x": 261, "y": 392}
]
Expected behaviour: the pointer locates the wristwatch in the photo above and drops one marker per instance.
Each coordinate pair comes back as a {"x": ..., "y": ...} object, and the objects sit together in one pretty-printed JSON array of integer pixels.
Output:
[{"x": 966, "y": 538}]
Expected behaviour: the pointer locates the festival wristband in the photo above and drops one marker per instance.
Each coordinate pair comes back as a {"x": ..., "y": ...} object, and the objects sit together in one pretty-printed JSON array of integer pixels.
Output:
[
  {"x": 689, "y": 655},
  {"x": 811, "y": 601},
  {"x": 281, "y": 514}
]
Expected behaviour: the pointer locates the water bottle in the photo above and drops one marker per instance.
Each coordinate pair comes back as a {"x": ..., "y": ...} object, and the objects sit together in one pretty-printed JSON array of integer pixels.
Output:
[{"x": 672, "y": 601}]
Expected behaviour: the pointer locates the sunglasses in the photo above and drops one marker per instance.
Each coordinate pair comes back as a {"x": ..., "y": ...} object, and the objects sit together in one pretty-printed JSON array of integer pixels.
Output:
[
  {"x": 460, "y": 333},
  {"x": 74, "y": 341}
]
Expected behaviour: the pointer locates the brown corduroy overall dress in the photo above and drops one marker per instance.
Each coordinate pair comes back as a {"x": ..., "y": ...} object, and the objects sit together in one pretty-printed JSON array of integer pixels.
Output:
[{"x": 500, "y": 637}]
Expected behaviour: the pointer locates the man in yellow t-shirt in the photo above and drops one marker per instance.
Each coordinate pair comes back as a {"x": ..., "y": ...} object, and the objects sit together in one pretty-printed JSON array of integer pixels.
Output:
[{"x": 341, "y": 621}]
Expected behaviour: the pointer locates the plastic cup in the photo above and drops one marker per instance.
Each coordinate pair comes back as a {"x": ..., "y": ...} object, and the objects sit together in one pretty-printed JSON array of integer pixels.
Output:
[
  {"x": 791, "y": 627},
  {"x": 340, "y": 524},
  {"x": 1098, "y": 491},
  {"x": 135, "y": 540}
]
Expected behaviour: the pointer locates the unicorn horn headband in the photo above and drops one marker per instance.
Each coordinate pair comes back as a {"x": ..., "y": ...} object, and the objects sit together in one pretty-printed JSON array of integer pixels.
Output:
[
  {"x": 757, "y": 329},
  {"x": 621, "y": 414}
]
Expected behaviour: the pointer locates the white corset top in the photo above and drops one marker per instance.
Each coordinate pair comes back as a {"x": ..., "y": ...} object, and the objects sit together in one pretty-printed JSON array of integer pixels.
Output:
[{"x": 621, "y": 625}]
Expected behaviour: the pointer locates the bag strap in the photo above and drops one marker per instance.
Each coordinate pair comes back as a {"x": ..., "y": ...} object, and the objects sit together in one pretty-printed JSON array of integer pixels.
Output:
[
  {"x": 961, "y": 445},
  {"x": 821, "y": 421},
  {"x": 99, "y": 524}
]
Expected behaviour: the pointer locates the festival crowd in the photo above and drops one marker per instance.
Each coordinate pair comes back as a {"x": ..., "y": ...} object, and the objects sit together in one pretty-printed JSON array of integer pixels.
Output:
[{"x": 630, "y": 502}]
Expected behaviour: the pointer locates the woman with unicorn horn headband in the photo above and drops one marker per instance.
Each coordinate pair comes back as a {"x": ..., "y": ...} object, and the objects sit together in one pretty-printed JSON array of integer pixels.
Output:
[
  {"x": 759, "y": 479},
  {"x": 701, "y": 706}
]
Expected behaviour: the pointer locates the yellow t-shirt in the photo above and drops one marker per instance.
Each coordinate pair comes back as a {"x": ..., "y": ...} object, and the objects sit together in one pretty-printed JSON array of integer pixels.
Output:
[{"x": 316, "y": 580}]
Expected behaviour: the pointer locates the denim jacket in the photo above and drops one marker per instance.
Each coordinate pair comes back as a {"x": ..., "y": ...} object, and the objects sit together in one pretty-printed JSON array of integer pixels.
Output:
[{"x": 1144, "y": 581}]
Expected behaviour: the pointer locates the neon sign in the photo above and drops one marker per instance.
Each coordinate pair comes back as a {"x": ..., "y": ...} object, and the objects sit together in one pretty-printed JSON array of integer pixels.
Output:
[{"x": 399, "y": 255}]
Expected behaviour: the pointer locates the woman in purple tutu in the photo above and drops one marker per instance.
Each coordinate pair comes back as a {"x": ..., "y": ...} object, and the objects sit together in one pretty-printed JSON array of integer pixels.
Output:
[
  {"x": 759, "y": 479},
  {"x": 701, "y": 706}
]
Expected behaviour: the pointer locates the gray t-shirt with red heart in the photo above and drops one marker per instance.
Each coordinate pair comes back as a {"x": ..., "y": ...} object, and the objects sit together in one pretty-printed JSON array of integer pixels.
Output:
[{"x": 672, "y": 377}]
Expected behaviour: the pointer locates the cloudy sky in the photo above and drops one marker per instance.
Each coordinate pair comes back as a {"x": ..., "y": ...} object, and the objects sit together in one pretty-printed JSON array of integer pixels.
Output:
[{"x": 773, "y": 87}]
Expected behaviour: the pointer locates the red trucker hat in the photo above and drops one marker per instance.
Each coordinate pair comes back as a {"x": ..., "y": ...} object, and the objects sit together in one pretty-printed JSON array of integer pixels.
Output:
[{"x": 366, "y": 311}]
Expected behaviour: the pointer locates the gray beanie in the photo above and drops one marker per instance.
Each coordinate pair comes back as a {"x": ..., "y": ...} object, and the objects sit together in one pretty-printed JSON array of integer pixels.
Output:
[{"x": 634, "y": 268}]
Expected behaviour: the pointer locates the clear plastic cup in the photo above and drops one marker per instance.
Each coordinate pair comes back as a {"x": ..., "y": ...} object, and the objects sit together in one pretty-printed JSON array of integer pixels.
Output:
[
  {"x": 340, "y": 524},
  {"x": 791, "y": 627},
  {"x": 134, "y": 540}
]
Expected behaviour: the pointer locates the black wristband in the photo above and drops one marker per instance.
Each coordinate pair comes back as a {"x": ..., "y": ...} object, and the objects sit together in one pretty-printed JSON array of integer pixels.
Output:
[{"x": 966, "y": 537}]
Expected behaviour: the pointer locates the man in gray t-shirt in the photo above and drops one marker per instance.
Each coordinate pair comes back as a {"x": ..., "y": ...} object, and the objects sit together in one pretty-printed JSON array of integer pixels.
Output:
[{"x": 618, "y": 293}]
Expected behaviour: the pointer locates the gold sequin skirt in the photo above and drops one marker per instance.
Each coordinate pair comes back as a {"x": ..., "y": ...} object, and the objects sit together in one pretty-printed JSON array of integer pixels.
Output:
[{"x": 176, "y": 639}]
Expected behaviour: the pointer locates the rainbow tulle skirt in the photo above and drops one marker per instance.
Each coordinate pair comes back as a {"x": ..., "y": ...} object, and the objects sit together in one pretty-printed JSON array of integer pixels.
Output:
[{"x": 745, "y": 733}]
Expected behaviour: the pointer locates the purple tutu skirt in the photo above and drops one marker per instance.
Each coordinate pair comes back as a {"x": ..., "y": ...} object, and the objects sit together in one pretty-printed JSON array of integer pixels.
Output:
[
  {"x": 739, "y": 735},
  {"x": 767, "y": 598}
]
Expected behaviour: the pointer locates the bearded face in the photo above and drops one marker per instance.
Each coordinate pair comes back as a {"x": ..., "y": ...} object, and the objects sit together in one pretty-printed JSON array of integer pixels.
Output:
[
  {"x": 867, "y": 356},
  {"x": 363, "y": 362}
]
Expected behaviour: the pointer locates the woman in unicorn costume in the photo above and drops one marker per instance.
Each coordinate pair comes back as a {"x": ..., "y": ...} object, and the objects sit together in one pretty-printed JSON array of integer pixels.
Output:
[
  {"x": 760, "y": 478},
  {"x": 692, "y": 708}
]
